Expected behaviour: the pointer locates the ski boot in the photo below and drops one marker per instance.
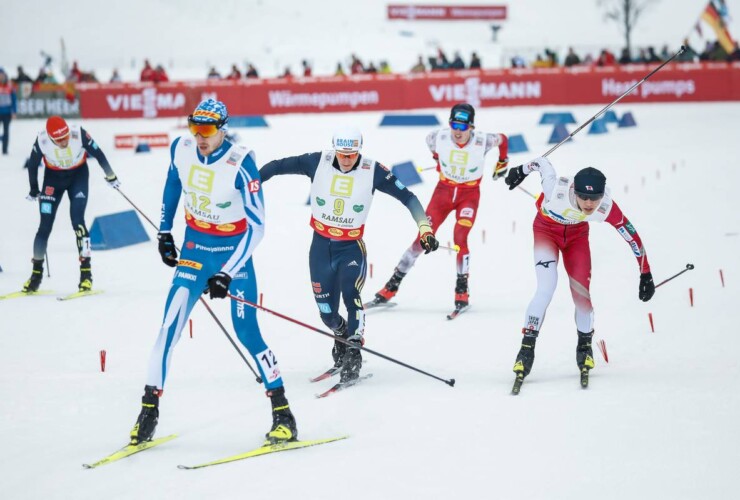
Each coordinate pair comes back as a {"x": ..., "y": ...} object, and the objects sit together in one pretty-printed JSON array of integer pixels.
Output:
[
  {"x": 85, "y": 275},
  {"x": 585, "y": 356},
  {"x": 146, "y": 424},
  {"x": 390, "y": 289},
  {"x": 525, "y": 358},
  {"x": 33, "y": 283},
  {"x": 461, "y": 291},
  {"x": 352, "y": 360},
  {"x": 339, "y": 349},
  {"x": 283, "y": 422}
]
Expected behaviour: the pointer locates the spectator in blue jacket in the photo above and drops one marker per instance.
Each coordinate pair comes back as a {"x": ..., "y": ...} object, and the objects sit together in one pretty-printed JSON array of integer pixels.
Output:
[{"x": 7, "y": 107}]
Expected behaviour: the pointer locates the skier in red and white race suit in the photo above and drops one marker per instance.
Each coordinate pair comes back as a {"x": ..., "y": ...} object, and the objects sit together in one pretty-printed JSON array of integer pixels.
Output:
[
  {"x": 565, "y": 207},
  {"x": 460, "y": 153}
]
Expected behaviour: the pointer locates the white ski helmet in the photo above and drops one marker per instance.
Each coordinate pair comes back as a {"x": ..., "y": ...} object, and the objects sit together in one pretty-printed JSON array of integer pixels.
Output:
[{"x": 347, "y": 140}]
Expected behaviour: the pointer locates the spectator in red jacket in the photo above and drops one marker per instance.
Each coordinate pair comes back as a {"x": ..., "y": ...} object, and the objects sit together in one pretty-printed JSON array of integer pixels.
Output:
[
  {"x": 147, "y": 74},
  {"x": 606, "y": 58},
  {"x": 160, "y": 75},
  {"x": 307, "y": 70},
  {"x": 75, "y": 74},
  {"x": 235, "y": 73}
]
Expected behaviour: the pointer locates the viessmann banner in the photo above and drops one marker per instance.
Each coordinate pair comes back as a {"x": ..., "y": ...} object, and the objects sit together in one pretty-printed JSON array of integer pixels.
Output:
[
  {"x": 511, "y": 87},
  {"x": 447, "y": 12}
]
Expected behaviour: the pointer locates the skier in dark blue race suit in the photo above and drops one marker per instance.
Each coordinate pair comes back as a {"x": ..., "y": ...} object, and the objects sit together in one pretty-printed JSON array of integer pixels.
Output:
[
  {"x": 224, "y": 212},
  {"x": 64, "y": 150},
  {"x": 342, "y": 186}
]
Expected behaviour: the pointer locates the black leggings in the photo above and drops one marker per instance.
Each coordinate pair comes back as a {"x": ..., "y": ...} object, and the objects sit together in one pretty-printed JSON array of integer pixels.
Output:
[{"x": 56, "y": 182}]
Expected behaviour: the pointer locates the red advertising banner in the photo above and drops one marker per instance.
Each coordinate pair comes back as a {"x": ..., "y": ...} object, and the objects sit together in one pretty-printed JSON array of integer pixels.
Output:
[
  {"x": 447, "y": 12},
  {"x": 688, "y": 82},
  {"x": 130, "y": 141}
]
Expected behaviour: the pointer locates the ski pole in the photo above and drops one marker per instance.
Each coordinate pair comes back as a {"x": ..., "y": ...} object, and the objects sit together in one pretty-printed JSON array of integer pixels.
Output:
[
  {"x": 202, "y": 300},
  {"x": 530, "y": 194},
  {"x": 424, "y": 169},
  {"x": 454, "y": 248},
  {"x": 689, "y": 267},
  {"x": 48, "y": 267},
  {"x": 604, "y": 110},
  {"x": 450, "y": 382}
]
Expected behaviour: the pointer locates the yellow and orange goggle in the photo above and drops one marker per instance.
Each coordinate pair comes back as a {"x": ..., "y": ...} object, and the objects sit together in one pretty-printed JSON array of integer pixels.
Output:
[
  {"x": 204, "y": 129},
  {"x": 347, "y": 156}
]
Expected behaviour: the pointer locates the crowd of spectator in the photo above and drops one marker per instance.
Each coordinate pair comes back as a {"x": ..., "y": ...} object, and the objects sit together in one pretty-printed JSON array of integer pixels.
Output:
[{"x": 713, "y": 51}]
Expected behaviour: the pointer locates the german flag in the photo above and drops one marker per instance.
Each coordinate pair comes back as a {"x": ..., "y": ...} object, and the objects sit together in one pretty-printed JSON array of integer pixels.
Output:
[{"x": 714, "y": 19}]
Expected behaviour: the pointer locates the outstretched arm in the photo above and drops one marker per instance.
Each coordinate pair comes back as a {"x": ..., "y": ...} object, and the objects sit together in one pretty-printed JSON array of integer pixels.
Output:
[
  {"x": 32, "y": 164},
  {"x": 617, "y": 219},
  {"x": 171, "y": 195},
  {"x": 305, "y": 164},
  {"x": 386, "y": 182},
  {"x": 94, "y": 150}
]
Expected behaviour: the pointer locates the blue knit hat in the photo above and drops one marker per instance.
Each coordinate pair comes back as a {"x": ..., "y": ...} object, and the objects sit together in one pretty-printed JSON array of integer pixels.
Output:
[{"x": 211, "y": 111}]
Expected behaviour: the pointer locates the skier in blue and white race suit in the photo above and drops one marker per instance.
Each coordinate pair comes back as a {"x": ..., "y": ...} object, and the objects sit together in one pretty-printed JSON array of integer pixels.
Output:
[
  {"x": 342, "y": 186},
  {"x": 224, "y": 212}
]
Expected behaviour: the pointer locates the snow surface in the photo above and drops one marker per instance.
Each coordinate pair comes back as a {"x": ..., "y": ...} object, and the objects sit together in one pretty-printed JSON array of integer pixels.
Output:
[{"x": 659, "y": 420}]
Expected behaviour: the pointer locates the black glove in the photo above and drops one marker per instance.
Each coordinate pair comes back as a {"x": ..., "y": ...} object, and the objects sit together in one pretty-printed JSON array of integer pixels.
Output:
[
  {"x": 515, "y": 177},
  {"x": 218, "y": 285},
  {"x": 33, "y": 194},
  {"x": 427, "y": 240},
  {"x": 647, "y": 287},
  {"x": 501, "y": 168},
  {"x": 167, "y": 249}
]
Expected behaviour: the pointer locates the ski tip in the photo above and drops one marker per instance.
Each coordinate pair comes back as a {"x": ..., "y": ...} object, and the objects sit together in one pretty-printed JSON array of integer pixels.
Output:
[
  {"x": 87, "y": 466},
  {"x": 184, "y": 467}
]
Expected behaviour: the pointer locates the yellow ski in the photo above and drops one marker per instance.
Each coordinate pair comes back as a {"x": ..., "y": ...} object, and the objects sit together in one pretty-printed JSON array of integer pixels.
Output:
[
  {"x": 264, "y": 450},
  {"x": 15, "y": 295},
  {"x": 77, "y": 295},
  {"x": 129, "y": 450}
]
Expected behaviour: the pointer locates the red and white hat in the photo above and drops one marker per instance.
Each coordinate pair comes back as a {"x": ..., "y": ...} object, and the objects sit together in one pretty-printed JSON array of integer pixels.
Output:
[{"x": 57, "y": 128}]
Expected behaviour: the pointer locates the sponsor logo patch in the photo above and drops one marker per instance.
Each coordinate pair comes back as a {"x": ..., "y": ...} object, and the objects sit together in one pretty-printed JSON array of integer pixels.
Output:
[
  {"x": 191, "y": 263},
  {"x": 324, "y": 307},
  {"x": 467, "y": 212},
  {"x": 46, "y": 208},
  {"x": 49, "y": 190},
  {"x": 184, "y": 275},
  {"x": 533, "y": 322},
  {"x": 625, "y": 234},
  {"x": 226, "y": 228},
  {"x": 465, "y": 222}
]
